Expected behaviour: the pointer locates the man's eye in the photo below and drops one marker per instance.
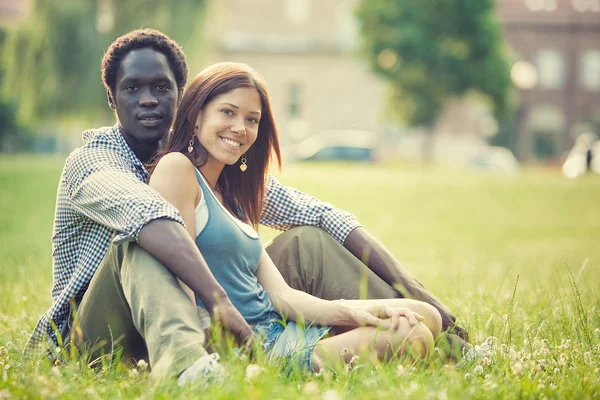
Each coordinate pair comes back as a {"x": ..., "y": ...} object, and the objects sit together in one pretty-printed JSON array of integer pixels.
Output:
[
  {"x": 130, "y": 88},
  {"x": 163, "y": 88}
]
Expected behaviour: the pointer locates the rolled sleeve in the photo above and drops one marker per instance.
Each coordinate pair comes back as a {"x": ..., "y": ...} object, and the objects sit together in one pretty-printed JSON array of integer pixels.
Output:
[
  {"x": 285, "y": 208},
  {"x": 153, "y": 212}
]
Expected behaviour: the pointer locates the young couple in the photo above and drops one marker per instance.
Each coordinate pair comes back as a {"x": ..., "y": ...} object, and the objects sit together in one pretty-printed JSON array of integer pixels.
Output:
[{"x": 134, "y": 255}]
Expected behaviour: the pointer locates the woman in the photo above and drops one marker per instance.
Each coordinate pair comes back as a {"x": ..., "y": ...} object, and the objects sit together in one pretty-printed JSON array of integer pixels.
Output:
[{"x": 214, "y": 171}]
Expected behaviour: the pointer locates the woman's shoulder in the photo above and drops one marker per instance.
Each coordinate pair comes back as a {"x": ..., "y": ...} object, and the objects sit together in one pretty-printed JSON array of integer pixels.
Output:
[{"x": 175, "y": 161}]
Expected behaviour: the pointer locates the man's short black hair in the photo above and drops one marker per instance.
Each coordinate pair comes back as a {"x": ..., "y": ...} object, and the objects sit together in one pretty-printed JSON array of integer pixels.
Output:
[{"x": 142, "y": 39}]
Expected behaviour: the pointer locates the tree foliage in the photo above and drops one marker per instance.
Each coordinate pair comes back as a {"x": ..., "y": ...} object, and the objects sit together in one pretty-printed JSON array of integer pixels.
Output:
[
  {"x": 433, "y": 50},
  {"x": 52, "y": 60}
]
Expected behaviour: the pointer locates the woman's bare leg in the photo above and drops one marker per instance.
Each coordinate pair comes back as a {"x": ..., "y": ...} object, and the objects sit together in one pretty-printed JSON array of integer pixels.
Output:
[
  {"x": 433, "y": 319},
  {"x": 416, "y": 341}
]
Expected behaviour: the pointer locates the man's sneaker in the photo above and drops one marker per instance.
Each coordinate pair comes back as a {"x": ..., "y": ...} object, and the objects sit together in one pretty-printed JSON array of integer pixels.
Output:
[
  {"x": 476, "y": 353},
  {"x": 205, "y": 371}
]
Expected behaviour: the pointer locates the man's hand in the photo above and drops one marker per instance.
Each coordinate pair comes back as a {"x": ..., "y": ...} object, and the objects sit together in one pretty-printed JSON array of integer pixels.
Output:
[{"x": 231, "y": 319}]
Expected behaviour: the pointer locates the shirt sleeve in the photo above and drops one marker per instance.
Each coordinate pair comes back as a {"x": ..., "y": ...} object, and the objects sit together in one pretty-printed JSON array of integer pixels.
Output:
[
  {"x": 285, "y": 207},
  {"x": 103, "y": 188}
]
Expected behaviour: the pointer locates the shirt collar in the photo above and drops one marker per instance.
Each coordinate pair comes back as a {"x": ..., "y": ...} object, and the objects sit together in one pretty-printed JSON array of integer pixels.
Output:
[{"x": 123, "y": 144}]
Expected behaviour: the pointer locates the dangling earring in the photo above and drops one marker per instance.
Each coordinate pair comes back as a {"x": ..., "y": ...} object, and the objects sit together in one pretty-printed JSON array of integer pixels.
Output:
[
  {"x": 243, "y": 165},
  {"x": 191, "y": 145}
]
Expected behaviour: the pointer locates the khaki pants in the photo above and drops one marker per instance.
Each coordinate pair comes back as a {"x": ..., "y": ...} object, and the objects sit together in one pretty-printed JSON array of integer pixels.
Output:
[
  {"x": 312, "y": 261},
  {"x": 136, "y": 303}
]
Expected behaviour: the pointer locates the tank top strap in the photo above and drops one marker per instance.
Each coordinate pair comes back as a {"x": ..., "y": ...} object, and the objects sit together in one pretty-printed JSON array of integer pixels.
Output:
[{"x": 209, "y": 197}]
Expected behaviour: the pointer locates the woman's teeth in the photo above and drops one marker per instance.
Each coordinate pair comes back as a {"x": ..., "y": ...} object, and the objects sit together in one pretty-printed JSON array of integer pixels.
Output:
[{"x": 231, "y": 142}]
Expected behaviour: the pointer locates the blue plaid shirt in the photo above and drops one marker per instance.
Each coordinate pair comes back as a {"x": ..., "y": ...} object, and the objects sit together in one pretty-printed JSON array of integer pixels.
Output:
[{"x": 103, "y": 198}]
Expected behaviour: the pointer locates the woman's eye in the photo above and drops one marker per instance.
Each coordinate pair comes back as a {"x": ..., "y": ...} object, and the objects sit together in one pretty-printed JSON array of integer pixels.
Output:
[
  {"x": 130, "y": 88},
  {"x": 227, "y": 111},
  {"x": 253, "y": 120}
]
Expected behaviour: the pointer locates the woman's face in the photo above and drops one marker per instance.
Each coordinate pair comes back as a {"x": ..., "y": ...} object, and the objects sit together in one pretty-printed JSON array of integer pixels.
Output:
[{"x": 228, "y": 124}]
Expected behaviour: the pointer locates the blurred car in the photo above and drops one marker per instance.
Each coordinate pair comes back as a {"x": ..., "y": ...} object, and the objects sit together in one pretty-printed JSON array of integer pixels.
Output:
[
  {"x": 495, "y": 158},
  {"x": 337, "y": 144}
]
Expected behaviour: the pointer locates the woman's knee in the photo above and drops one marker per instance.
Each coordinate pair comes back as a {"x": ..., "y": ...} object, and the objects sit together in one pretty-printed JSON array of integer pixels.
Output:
[
  {"x": 433, "y": 319},
  {"x": 420, "y": 341}
]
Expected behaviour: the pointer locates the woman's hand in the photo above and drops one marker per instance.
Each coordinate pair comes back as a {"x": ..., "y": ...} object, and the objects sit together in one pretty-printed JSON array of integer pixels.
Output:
[{"x": 384, "y": 316}]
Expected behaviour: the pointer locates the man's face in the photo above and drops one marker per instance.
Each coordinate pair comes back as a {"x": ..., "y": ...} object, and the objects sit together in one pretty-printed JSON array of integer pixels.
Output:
[{"x": 146, "y": 95}]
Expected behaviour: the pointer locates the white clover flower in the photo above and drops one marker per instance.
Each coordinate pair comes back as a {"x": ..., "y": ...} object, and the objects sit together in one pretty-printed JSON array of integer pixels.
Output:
[
  {"x": 541, "y": 366},
  {"x": 467, "y": 376},
  {"x": 133, "y": 373},
  {"x": 486, "y": 361},
  {"x": 517, "y": 368},
  {"x": 253, "y": 371},
  {"x": 443, "y": 395},
  {"x": 400, "y": 370},
  {"x": 562, "y": 360},
  {"x": 331, "y": 395},
  {"x": 556, "y": 371},
  {"x": 311, "y": 388},
  {"x": 478, "y": 370}
]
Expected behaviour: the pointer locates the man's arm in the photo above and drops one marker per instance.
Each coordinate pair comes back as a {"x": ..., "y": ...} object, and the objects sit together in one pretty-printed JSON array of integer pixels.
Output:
[
  {"x": 378, "y": 258},
  {"x": 103, "y": 189},
  {"x": 285, "y": 207},
  {"x": 172, "y": 246}
]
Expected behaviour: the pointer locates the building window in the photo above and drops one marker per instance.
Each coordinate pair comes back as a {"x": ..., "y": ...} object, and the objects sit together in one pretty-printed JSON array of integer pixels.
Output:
[
  {"x": 294, "y": 93},
  {"x": 297, "y": 11},
  {"x": 586, "y": 5},
  {"x": 589, "y": 76},
  {"x": 347, "y": 25},
  {"x": 541, "y": 5},
  {"x": 551, "y": 69}
]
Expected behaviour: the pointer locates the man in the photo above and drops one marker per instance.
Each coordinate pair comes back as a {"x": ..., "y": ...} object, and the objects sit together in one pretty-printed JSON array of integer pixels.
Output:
[{"x": 125, "y": 288}]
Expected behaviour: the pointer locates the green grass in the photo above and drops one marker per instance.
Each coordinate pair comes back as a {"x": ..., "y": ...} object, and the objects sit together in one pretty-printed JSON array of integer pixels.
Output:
[{"x": 515, "y": 257}]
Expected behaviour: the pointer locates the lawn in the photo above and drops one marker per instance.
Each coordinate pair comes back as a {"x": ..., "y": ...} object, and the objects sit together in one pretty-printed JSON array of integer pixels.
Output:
[{"x": 516, "y": 257}]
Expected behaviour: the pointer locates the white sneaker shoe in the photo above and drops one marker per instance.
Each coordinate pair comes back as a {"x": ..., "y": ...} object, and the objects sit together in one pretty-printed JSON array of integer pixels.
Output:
[
  {"x": 205, "y": 370},
  {"x": 476, "y": 353}
]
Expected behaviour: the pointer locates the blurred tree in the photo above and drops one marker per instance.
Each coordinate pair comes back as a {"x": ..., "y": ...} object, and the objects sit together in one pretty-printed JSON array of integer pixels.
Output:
[
  {"x": 8, "y": 118},
  {"x": 52, "y": 60},
  {"x": 433, "y": 50}
]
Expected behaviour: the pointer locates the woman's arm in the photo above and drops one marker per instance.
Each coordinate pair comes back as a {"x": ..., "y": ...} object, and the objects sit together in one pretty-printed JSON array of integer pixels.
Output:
[
  {"x": 175, "y": 179},
  {"x": 297, "y": 305}
]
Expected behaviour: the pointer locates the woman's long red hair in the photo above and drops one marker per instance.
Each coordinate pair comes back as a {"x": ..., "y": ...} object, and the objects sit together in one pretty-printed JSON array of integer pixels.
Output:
[{"x": 243, "y": 192}]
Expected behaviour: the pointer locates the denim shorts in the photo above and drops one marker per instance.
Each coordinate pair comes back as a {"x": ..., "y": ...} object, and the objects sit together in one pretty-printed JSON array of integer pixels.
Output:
[{"x": 289, "y": 341}]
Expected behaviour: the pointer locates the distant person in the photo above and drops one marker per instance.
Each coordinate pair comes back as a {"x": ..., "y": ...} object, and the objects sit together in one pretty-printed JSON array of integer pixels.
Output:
[
  {"x": 214, "y": 171},
  {"x": 114, "y": 235},
  {"x": 583, "y": 157}
]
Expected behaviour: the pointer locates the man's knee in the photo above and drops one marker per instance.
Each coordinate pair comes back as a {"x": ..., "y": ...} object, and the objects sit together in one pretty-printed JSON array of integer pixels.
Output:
[{"x": 307, "y": 237}]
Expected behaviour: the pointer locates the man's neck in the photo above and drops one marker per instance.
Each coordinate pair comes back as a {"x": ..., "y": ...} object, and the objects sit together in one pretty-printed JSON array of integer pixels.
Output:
[{"x": 144, "y": 151}]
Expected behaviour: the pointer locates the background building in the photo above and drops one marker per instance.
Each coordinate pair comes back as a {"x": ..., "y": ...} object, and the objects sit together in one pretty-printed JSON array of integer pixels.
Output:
[
  {"x": 560, "y": 90},
  {"x": 306, "y": 51}
]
